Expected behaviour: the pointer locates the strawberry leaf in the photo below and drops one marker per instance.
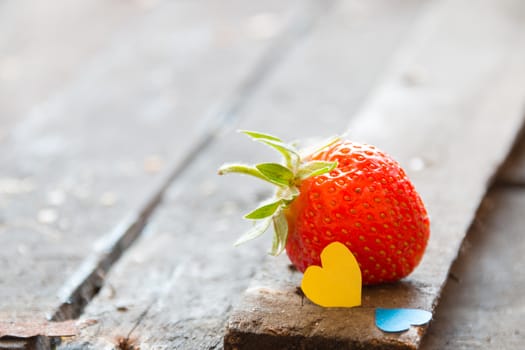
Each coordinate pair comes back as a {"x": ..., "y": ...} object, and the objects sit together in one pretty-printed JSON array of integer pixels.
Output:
[
  {"x": 284, "y": 148},
  {"x": 242, "y": 169},
  {"x": 260, "y": 136},
  {"x": 280, "y": 227},
  {"x": 290, "y": 153},
  {"x": 258, "y": 229},
  {"x": 315, "y": 168},
  {"x": 276, "y": 173},
  {"x": 264, "y": 211}
]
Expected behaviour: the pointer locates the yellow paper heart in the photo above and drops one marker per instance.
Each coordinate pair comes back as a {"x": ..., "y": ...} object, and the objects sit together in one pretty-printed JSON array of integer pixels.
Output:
[{"x": 338, "y": 282}]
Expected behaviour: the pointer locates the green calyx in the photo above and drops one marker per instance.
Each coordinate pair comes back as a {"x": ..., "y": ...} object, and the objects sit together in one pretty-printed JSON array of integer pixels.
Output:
[{"x": 287, "y": 177}]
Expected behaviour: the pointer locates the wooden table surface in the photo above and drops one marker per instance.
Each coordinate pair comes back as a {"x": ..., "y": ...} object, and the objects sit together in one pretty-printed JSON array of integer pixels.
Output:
[{"x": 114, "y": 117}]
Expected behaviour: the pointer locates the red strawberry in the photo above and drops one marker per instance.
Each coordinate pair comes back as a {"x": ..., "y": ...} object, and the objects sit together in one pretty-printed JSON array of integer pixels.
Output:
[{"x": 346, "y": 192}]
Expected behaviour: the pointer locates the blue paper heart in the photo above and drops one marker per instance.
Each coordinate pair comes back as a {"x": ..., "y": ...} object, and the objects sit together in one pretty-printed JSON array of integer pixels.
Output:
[{"x": 400, "y": 320}]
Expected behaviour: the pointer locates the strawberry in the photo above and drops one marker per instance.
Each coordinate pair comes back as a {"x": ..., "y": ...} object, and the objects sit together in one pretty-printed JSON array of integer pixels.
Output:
[{"x": 346, "y": 192}]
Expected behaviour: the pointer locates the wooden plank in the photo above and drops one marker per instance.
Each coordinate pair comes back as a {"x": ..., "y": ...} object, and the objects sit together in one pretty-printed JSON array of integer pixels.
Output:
[
  {"x": 81, "y": 175},
  {"x": 190, "y": 274},
  {"x": 43, "y": 46},
  {"x": 482, "y": 303},
  {"x": 438, "y": 128}
]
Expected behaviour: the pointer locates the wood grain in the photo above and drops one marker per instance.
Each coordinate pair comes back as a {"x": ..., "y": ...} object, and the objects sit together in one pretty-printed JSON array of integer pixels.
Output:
[
  {"x": 176, "y": 286},
  {"x": 471, "y": 91}
]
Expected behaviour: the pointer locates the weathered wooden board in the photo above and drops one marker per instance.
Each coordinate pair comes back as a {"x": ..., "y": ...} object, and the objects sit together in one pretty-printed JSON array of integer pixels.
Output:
[
  {"x": 174, "y": 289},
  {"x": 451, "y": 127},
  {"x": 44, "y": 46},
  {"x": 482, "y": 304},
  {"x": 81, "y": 174}
]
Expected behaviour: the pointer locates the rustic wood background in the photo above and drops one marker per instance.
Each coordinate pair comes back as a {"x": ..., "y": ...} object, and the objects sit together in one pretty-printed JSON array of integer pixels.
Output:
[{"x": 116, "y": 232}]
